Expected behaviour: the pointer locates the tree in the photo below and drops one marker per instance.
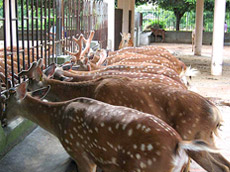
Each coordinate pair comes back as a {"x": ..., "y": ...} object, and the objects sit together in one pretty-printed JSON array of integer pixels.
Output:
[{"x": 179, "y": 7}]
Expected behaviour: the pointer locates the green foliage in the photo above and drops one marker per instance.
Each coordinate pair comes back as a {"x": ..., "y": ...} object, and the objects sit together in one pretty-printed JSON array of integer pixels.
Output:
[
  {"x": 178, "y": 7},
  {"x": 156, "y": 24}
]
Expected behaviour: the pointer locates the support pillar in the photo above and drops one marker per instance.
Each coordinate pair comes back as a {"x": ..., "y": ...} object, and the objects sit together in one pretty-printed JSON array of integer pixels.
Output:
[
  {"x": 125, "y": 20},
  {"x": 199, "y": 27},
  {"x": 132, "y": 8},
  {"x": 127, "y": 5},
  {"x": 218, "y": 37},
  {"x": 111, "y": 26},
  {"x": 58, "y": 27}
]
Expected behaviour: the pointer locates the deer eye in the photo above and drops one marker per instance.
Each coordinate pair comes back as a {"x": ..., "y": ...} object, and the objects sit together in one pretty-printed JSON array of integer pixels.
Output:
[{"x": 12, "y": 91}]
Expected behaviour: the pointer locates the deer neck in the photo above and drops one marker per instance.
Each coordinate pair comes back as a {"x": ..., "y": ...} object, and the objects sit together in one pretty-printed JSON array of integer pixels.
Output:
[
  {"x": 61, "y": 91},
  {"x": 41, "y": 113}
]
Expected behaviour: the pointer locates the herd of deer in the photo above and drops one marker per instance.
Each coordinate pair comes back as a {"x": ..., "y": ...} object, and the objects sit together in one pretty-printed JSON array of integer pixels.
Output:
[{"x": 129, "y": 110}]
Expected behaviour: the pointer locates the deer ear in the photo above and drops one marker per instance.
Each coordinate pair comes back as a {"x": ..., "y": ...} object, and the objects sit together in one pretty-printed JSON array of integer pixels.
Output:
[
  {"x": 21, "y": 91},
  {"x": 30, "y": 72},
  {"x": 49, "y": 71},
  {"x": 40, "y": 93},
  {"x": 38, "y": 75},
  {"x": 40, "y": 62}
]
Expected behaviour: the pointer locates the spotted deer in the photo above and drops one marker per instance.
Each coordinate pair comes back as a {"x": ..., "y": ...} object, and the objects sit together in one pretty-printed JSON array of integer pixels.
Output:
[
  {"x": 151, "y": 51},
  {"x": 136, "y": 49},
  {"x": 177, "y": 107},
  {"x": 145, "y": 77},
  {"x": 93, "y": 132},
  {"x": 146, "y": 69},
  {"x": 126, "y": 40}
]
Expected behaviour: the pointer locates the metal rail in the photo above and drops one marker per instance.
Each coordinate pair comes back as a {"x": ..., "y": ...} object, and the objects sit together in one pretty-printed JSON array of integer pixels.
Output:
[{"x": 35, "y": 23}]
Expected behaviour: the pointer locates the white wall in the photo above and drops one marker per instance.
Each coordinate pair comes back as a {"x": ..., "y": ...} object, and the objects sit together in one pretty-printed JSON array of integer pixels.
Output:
[{"x": 127, "y": 5}]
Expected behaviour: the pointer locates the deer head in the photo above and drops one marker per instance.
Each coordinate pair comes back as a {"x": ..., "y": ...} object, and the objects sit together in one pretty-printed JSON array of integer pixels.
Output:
[
  {"x": 79, "y": 57},
  {"x": 125, "y": 40}
]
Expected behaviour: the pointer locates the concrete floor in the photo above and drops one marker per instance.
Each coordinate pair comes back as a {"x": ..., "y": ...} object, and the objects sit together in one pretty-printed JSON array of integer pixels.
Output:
[{"x": 38, "y": 152}]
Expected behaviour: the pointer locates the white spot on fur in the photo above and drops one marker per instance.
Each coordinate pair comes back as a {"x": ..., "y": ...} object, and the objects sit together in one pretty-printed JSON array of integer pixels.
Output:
[
  {"x": 150, "y": 147},
  {"x": 130, "y": 132}
]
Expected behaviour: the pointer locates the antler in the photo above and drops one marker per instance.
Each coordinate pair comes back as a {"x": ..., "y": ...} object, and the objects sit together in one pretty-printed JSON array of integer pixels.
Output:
[
  {"x": 87, "y": 43},
  {"x": 79, "y": 43}
]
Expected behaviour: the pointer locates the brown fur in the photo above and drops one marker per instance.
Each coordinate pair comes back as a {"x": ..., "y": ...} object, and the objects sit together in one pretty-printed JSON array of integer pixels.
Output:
[
  {"x": 126, "y": 41},
  {"x": 158, "y": 32},
  {"x": 177, "y": 107}
]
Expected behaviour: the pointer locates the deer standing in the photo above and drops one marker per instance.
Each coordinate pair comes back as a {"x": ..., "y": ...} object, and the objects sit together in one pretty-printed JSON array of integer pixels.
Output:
[
  {"x": 177, "y": 107},
  {"x": 93, "y": 132},
  {"x": 160, "y": 32}
]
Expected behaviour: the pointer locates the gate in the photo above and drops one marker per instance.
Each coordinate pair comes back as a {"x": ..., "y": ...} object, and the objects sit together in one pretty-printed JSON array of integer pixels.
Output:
[{"x": 34, "y": 29}]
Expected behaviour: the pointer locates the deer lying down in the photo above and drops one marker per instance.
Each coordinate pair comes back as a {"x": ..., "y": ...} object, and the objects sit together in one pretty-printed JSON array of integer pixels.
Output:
[
  {"x": 126, "y": 40},
  {"x": 114, "y": 138},
  {"x": 190, "y": 114}
]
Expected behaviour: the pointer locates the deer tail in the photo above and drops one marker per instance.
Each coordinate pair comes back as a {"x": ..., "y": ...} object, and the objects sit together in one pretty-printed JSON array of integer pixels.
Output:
[{"x": 191, "y": 72}]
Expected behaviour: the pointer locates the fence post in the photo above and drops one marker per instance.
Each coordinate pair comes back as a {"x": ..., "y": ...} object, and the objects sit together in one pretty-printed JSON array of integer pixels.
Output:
[{"x": 58, "y": 27}]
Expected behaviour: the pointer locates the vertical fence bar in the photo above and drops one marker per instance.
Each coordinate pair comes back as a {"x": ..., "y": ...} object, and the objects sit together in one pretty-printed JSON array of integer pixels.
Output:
[
  {"x": 41, "y": 28},
  {"x": 5, "y": 46},
  {"x": 67, "y": 42},
  {"x": 54, "y": 37},
  {"x": 11, "y": 43},
  {"x": 49, "y": 25},
  {"x": 69, "y": 26},
  {"x": 45, "y": 21},
  {"x": 79, "y": 17},
  {"x": 32, "y": 29},
  {"x": 17, "y": 38},
  {"x": 75, "y": 18},
  {"x": 28, "y": 31},
  {"x": 58, "y": 28},
  {"x": 37, "y": 27},
  {"x": 23, "y": 43}
]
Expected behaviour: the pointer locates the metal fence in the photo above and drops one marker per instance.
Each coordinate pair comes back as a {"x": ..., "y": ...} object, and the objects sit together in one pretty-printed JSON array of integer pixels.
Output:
[{"x": 44, "y": 29}]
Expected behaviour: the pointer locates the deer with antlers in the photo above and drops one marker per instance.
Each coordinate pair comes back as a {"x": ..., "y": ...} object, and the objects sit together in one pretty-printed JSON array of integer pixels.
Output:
[
  {"x": 93, "y": 132},
  {"x": 177, "y": 107}
]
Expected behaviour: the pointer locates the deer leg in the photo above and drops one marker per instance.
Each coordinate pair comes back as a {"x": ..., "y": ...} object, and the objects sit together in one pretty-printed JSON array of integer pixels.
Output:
[
  {"x": 163, "y": 37},
  {"x": 187, "y": 167},
  {"x": 84, "y": 164},
  {"x": 221, "y": 159},
  {"x": 205, "y": 160}
]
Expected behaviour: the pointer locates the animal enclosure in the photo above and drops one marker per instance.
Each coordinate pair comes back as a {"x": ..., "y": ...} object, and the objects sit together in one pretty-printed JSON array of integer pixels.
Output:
[{"x": 45, "y": 29}]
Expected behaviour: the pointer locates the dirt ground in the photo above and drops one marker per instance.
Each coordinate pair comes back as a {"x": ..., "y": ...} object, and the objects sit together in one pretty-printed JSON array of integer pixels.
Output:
[{"x": 216, "y": 88}]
